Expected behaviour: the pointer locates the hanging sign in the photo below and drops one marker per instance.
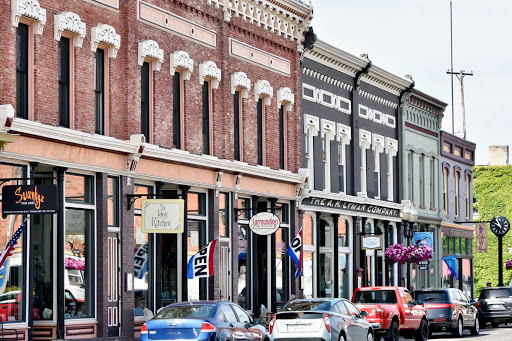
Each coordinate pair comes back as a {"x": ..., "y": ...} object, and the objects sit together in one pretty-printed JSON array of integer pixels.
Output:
[
  {"x": 163, "y": 215},
  {"x": 264, "y": 223},
  {"x": 371, "y": 242},
  {"x": 29, "y": 199}
]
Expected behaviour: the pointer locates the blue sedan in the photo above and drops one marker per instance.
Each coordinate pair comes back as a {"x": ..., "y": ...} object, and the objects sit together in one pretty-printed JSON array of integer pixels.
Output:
[{"x": 202, "y": 320}]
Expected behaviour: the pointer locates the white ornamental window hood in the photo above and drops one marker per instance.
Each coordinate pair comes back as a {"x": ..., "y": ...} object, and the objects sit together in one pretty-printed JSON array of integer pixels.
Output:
[
  {"x": 344, "y": 134},
  {"x": 31, "y": 10},
  {"x": 209, "y": 71},
  {"x": 180, "y": 61},
  {"x": 71, "y": 23},
  {"x": 311, "y": 129},
  {"x": 107, "y": 35},
  {"x": 149, "y": 49},
  {"x": 262, "y": 89},
  {"x": 365, "y": 141},
  {"x": 328, "y": 134},
  {"x": 286, "y": 98},
  {"x": 240, "y": 82}
]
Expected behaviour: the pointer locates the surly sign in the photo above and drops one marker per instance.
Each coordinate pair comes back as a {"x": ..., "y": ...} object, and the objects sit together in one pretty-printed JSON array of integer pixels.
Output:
[
  {"x": 354, "y": 207},
  {"x": 33, "y": 199}
]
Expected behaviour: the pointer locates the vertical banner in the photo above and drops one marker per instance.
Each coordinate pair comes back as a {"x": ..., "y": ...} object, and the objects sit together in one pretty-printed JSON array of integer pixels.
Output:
[
  {"x": 481, "y": 237},
  {"x": 295, "y": 252}
]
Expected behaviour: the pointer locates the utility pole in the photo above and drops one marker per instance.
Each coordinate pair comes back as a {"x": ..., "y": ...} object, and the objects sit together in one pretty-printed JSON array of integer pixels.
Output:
[{"x": 460, "y": 75}]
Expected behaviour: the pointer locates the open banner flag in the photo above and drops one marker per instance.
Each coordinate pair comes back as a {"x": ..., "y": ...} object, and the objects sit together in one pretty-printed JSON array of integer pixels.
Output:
[
  {"x": 201, "y": 264},
  {"x": 295, "y": 252},
  {"x": 11, "y": 244},
  {"x": 451, "y": 262}
]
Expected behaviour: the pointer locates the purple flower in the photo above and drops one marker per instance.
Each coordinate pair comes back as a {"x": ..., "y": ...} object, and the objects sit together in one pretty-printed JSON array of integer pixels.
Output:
[{"x": 508, "y": 265}]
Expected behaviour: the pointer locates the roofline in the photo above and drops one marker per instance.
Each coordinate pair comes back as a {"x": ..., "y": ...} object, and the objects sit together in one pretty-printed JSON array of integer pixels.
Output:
[{"x": 429, "y": 98}]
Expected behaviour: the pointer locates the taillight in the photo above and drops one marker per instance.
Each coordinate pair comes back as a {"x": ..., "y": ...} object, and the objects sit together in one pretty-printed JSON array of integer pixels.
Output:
[
  {"x": 478, "y": 305},
  {"x": 144, "y": 329},
  {"x": 378, "y": 313},
  {"x": 207, "y": 328},
  {"x": 327, "y": 323},
  {"x": 271, "y": 324}
]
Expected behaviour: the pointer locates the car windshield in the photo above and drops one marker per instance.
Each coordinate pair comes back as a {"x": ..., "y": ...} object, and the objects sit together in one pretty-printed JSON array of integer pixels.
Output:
[
  {"x": 376, "y": 296},
  {"x": 497, "y": 293},
  {"x": 195, "y": 311},
  {"x": 432, "y": 296},
  {"x": 307, "y": 305}
]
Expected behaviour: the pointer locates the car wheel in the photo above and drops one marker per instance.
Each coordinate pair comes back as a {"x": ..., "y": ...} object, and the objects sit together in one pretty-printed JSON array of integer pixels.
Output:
[
  {"x": 457, "y": 332},
  {"x": 495, "y": 324},
  {"x": 422, "y": 332},
  {"x": 475, "y": 330},
  {"x": 393, "y": 332},
  {"x": 369, "y": 337}
]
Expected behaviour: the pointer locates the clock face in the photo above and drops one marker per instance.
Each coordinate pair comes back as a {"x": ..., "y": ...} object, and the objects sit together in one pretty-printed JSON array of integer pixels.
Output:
[{"x": 500, "y": 226}]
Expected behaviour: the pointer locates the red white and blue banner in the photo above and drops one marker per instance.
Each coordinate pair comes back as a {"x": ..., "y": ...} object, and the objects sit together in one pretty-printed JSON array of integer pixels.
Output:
[
  {"x": 11, "y": 244},
  {"x": 295, "y": 252},
  {"x": 201, "y": 264}
]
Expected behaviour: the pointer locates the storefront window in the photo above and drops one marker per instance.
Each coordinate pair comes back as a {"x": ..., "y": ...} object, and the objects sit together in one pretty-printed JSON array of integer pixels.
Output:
[
  {"x": 196, "y": 203},
  {"x": 325, "y": 274},
  {"x": 224, "y": 214},
  {"x": 282, "y": 213},
  {"x": 281, "y": 259},
  {"x": 343, "y": 233},
  {"x": 113, "y": 201},
  {"x": 196, "y": 240},
  {"x": 324, "y": 234},
  {"x": 343, "y": 280},
  {"x": 142, "y": 258},
  {"x": 469, "y": 247},
  {"x": 78, "y": 250},
  {"x": 245, "y": 205},
  {"x": 463, "y": 249},
  {"x": 445, "y": 244},
  {"x": 308, "y": 274},
  {"x": 457, "y": 246},
  {"x": 79, "y": 189},
  {"x": 243, "y": 298},
  {"x": 467, "y": 277}
]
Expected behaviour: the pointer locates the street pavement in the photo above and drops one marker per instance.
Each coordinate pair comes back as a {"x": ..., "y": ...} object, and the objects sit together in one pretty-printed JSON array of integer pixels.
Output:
[{"x": 503, "y": 333}]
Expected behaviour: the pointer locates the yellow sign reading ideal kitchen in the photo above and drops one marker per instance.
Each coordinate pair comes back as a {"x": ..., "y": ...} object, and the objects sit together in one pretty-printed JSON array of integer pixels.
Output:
[{"x": 163, "y": 215}]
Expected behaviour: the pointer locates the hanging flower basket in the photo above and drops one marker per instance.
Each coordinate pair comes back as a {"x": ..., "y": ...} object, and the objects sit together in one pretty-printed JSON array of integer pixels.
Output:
[
  {"x": 508, "y": 265},
  {"x": 396, "y": 253},
  {"x": 71, "y": 263},
  {"x": 418, "y": 253}
]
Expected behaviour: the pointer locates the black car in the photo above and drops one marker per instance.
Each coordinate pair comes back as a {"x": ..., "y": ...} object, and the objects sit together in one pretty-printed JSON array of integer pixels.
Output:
[
  {"x": 495, "y": 306},
  {"x": 448, "y": 310}
]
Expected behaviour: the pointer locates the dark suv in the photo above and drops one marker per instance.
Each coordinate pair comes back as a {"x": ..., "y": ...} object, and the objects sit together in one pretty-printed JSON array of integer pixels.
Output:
[
  {"x": 449, "y": 310},
  {"x": 495, "y": 306}
]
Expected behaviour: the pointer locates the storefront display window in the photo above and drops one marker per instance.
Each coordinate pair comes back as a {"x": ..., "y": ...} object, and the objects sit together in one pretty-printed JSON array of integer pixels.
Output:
[
  {"x": 308, "y": 259},
  {"x": 324, "y": 234},
  {"x": 142, "y": 258},
  {"x": 196, "y": 239},
  {"x": 343, "y": 236},
  {"x": 308, "y": 274},
  {"x": 243, "y": 298},
  {"x": 224, "y": 214},
  {"x": 78, "y": 263},
  {"x": 325, "y": 274},
  {"x": 281, "y": 262}
]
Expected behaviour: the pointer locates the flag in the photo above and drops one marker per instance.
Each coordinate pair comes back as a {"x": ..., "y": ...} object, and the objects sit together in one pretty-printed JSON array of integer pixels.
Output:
[
  {"x": 11, "y": 244},
  {"x": 451, "y": 262},
  {"x": 201, "y": 264},
  {"x": 295, "y": 252}
]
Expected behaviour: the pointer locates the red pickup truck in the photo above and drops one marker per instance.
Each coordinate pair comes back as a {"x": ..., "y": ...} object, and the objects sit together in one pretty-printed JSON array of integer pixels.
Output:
[{"x": 392, "y": 312}]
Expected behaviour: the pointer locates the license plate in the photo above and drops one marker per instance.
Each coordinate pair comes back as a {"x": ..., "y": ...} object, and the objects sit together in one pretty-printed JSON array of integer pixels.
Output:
[
  {"x": 496, "y": 306},
  {"x": 298, "y": 327}
]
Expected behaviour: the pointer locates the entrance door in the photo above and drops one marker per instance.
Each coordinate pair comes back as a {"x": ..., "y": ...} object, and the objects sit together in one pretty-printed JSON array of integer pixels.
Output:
[
  {"x": 224, "y": 270},
  {"x": 113, "y": 284},
  {"x": 261, "y": 260}
]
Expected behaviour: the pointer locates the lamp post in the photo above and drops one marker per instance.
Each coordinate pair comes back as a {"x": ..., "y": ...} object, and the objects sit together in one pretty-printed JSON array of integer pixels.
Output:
[{"x": 409, "y": 215}]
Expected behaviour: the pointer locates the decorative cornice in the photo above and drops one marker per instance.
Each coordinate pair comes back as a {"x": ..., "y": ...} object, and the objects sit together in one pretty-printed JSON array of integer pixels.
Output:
[
  {"x": 391, "y": 146},
  {"x": 327, "y": 79},
  {"x": 311, "y": 123},
  {"x": 344, "y": 133},
  {"x": 286, "y": 98},
  {"x": 365, "y": 139},
  {"x": 378, "y": 143},
  {"x": 328, "y": 129},
  {"x": 262, "y": 89},
  {"x": 150, "y": 49},
  {"x": 29, "y": 9},
  {"x": 70, "y": 22},
  {"x": 209, "y": 70},
  {"x": 180, "y": 61},
  {"x": 378, "y": 99},
  {"x": 107, "y": 35},
  {"x": 240, "y": 81},
  {"x": 100, "y": 142}
]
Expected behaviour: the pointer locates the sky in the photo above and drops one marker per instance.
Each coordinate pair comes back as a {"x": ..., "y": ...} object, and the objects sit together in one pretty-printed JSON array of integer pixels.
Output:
[{"x": 413, "y": 37}]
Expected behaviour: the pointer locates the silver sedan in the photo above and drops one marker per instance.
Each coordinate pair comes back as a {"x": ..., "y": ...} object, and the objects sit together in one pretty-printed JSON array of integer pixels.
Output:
[{"x": 320, "y": 319}]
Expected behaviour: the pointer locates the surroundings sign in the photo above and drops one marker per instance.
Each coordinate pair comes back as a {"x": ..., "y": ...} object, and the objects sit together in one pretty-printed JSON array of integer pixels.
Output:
[
  {"x": 29, "y": 199},
  {"x": 163, "y": 215},
  {"x": 264, "y": 223}
]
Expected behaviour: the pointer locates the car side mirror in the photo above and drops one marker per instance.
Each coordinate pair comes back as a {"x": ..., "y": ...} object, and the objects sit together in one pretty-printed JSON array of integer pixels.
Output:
[
  {"x": 472, "y": 302},
  {"x": 363, "y": 314}
]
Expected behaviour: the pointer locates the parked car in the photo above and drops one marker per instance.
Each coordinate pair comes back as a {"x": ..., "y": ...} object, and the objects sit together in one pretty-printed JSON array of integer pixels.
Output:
[
  {"x": 202, "y": 320},
  {"x": 448, "y": 310},
  {"x": 495, "y": 306},
  {"x": 392, "y": 312},
  {"x": 10, "y": 305},
  {"x": 333, "y": 319}
]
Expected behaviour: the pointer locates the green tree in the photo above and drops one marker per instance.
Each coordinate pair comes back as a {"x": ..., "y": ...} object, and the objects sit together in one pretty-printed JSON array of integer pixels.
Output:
[{"x": 493, "y": 192}]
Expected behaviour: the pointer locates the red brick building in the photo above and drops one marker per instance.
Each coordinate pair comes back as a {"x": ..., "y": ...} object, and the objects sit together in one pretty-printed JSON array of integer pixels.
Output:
[{"x": 117, "y": 101}]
